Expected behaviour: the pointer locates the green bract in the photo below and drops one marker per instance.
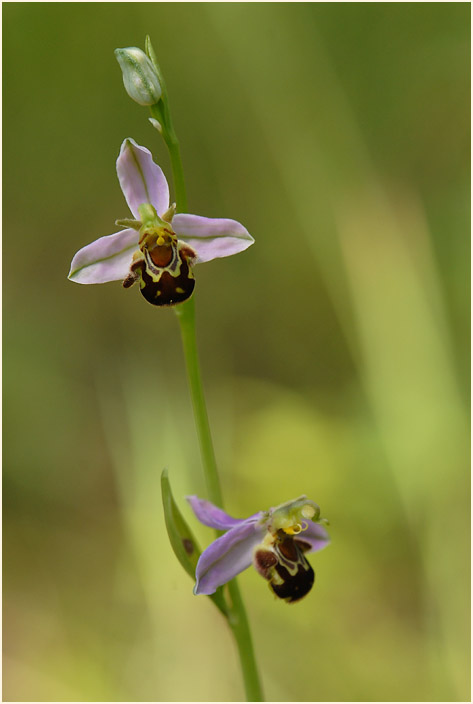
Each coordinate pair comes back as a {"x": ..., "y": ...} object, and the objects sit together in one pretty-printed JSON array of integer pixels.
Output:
[
  {"x": 180, "y": 535},
  {"x": 181, "y": 538}
]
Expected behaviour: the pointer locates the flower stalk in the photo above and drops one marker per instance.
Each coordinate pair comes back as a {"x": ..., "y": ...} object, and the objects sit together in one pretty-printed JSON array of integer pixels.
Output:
[
  {"x": 162, "y": 114},
  {"x": 237, "y": 618},
  {"x": 238, "y": 621},
  {"x": 186, "y": 316}
]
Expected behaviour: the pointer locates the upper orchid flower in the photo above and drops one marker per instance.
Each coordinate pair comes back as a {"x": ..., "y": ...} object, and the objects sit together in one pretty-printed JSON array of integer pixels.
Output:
[
  {"x": 271, "y": 540},
  {"x": 159, "y": 248}
]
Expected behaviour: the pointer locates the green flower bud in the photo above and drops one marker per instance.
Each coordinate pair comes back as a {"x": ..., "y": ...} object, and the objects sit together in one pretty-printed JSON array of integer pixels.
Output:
[{"x": 139, "y": 76}]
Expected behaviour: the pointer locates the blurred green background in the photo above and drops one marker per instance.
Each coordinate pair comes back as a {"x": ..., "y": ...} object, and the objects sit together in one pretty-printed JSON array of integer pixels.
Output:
[{"x": 335, "y": 351}]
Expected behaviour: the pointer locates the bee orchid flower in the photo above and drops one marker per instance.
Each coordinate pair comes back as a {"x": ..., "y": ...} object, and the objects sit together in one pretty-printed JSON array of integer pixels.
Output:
[
  {"x": 274, "y": 541},
  {"x": 158, "y": 248}
]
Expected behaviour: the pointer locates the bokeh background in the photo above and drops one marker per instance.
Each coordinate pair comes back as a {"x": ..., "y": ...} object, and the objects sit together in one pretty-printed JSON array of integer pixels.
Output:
[{"x": 335, "y": 351}]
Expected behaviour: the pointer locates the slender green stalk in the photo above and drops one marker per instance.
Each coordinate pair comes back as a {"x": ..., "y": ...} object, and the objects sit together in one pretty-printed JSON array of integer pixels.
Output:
[
  {"x": 237, "y": 618},
  {"x": 162, "y": 114},
  {"x": 186, "y": 316},
  {"x": 167, "y": 130},
  {"x": 238, "y": 621},
  {"x": 185, "y": 312},
  {"x": 176, "y": 164}
]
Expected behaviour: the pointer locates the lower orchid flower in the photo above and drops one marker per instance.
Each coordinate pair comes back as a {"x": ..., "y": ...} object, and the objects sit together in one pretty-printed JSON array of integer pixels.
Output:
[
  {"x": 275, "y": 541},
  {"x": 159, "y": 248}
]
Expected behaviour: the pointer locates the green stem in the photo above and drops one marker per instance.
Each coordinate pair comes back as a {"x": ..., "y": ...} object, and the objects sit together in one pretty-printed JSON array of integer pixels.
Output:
[
  {"x": 185, "y": 312},
  {"x": 186, "y": 316},
  {"x": 237, "y": 618},
  {"x": 162, "y": 115},
  {"x": 178, "y": 173},
  {"x": 238, "y": 621}
]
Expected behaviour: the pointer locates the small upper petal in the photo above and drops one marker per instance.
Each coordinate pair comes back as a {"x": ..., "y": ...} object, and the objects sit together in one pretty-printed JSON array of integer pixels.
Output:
[
  {"x": 227, "y": 556},
  {"x": 106, "y": 259},
  {"x": 211, "y": 237},
  {"x": 315, "y": 535},
  {"x": 214, "y": 517},
  {"x": 141, "y": 180}
]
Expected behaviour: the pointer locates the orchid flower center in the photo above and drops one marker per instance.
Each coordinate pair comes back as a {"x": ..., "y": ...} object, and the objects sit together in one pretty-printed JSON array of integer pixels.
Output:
[
  {"x": 163, "y": 264},
  {"x": 157, "y": 236},
  {"x": 160, "y": 243},
  {"x": 280, "y": 557},
  {"x": 293, "y": 517}
]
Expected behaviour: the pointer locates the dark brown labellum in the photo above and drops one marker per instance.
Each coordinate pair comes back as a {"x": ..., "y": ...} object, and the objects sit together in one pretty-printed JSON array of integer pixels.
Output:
[
  {"x": 170, "y": 284},
  {"x": 292, "y": 576},
  {"x": 293, "y": 586}
]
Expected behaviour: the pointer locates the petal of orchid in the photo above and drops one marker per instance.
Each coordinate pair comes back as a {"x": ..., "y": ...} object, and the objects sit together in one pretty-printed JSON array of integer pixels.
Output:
[
  {"x": 211, "y": 238},
  {"x": 227, "y": 556},
  {"x": 315, "y": 535},
  {"x": 141, "y": 180},
  {"x": 214, "y": 517},
  {"x": 106, "y": 259}
]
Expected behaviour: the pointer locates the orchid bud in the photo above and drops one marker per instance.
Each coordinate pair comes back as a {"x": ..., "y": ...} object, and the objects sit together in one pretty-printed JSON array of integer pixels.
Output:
[{"x": 139, "y": 76}]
